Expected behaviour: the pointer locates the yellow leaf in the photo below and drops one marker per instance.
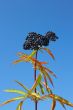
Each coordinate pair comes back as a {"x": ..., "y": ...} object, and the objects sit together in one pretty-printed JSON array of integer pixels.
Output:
[
  {"x": 31, "y": 55},
  {"x": 19, "y": 107},
  {"x": 16, "y": 91},
  {"x": 34, "y": 96},
  {"x": 36, "y": 83},
  {"x": 11, "y": 100}
]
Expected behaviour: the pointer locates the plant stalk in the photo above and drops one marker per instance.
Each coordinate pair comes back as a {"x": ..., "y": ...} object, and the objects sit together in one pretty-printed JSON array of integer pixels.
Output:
[{"x": 35, "y": 76}]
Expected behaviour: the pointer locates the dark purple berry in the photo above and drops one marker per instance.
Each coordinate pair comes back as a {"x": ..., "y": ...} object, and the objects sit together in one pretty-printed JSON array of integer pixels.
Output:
[{"x": 35, "y": 41}]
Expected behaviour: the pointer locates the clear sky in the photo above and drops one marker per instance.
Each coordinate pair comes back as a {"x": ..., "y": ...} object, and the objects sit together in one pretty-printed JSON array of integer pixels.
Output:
[{"x": 17, "y": 18}]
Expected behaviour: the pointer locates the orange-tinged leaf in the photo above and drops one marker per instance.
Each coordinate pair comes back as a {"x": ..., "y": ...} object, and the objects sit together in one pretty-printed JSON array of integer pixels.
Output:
[
  {"x": 20, "y": 54},
  {"x": 36, "y": 83},
  {"x": 60, "y": 99},
  {"x": 46, "y": 83},
  {"x": 48, "y": 70},
  {"x": 44, "y": 70},
  {"x": 47, "y": 88},
  {"x": 53, "y": 105},
  {"x": 43, "y": 63},
  {"x": 27, "y": 57},
  {"x": 44, "y": 97},
  {"x": 57, "y": 98},
  {"x": 21, "y": 85},
  {"x": 22, "y": 58},
  {"x": 47, "y": 75},
  {"x": 64, "y": 101},
  {"x": 49, "y": 78},
  {"x": 18, "y": 61},
  {"x": 40, "y": 67},
  {"x": 63, "y": 105},
  {"x": 19, "y": 107},
  {"x": 11, "y": 100},
  {"x": 50, "y": 53}
]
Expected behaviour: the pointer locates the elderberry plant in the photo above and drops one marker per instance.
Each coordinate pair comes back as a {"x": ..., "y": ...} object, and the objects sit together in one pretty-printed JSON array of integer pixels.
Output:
[{"x": 37, "y": 42}]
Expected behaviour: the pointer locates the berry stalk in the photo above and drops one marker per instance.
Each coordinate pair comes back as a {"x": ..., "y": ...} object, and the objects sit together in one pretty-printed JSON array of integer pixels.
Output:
[{"x": 35, "y": 76}]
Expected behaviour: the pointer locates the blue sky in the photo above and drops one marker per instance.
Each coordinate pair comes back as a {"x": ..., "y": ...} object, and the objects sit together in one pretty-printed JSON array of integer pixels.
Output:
[{"x": 17, "y": 18}]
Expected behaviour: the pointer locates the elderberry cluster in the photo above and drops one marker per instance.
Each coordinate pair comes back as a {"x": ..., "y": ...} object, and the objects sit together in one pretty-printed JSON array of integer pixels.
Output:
[{"x": 35, "y": 41}]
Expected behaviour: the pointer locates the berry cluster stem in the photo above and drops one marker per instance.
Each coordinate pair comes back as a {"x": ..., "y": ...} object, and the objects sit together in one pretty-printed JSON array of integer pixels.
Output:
[{"x": 35, "y": 76}]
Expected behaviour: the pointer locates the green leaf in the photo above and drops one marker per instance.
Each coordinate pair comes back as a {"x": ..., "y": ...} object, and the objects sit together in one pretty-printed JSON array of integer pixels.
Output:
[
  {"x": 11, "y": 100},
  {"x": 41, "y": 88},
  {"x": 16, "y": 91},
  {"x": 32, "y": 54},
  {"x": 53, "y": 105},
  {"x": 21, "y": 85},
  {"x": 19, "y": 107},
  {"x": 50, "y": 53},
  {"x": 36, "y": 83}
]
